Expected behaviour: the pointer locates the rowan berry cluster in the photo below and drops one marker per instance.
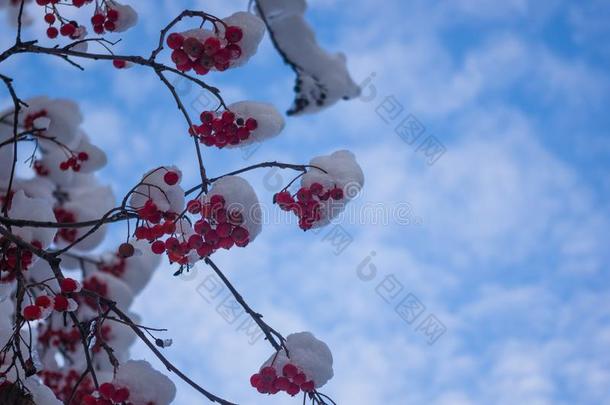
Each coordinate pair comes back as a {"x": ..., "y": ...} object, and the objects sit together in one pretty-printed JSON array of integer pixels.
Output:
[
  {"x": 224, "y": 129},
  {"x": 11, "y": 258},
  {"x": 108, "y": 394},
  {"x": 63, "y": 384},
  {"x": 64, "y": 216},
  {"x": 44, "y": 304},
  {"x": 306, "y": 204},
  {"x": 214, "y": 52},
  {"x": 292, "y": 381},
  {"x": 109, "y": 16}
]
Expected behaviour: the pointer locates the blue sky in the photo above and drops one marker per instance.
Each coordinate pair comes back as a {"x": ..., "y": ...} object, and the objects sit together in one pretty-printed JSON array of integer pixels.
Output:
[{"x": 507, "y": 243}]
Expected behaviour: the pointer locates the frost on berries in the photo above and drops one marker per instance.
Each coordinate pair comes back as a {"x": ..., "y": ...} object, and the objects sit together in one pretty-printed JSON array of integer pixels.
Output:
[
  {"x": 309, "y": 367},
  {"x": 325, "y": 189},
  {"x": 322, "y": 78}
]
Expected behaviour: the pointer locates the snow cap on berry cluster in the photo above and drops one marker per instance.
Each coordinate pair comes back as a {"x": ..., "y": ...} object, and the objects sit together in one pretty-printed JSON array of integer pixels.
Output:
[
  {"x": 310, "y": 355},
  {"x": 146, "y": 385},
  {"x": 269, "y": 120},
  {"x": 128, "y": 17},
  {"x": 33, "y": 209},
  {"x": 85, "y": 202},
  {"x": 167, "y": 197},
  {"x": 239, "y": 197},
  {"x": 60, "y": 118},
  {"x": 323, "y": 78},
  {"x": 342, "y": 171},
  {"x": 253, "y": 29}
]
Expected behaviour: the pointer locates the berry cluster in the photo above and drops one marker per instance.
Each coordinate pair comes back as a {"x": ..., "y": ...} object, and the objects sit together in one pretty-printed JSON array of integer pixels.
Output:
[
  {"x": 292, "y": 381},
  {"x": 116, "y": 266},
  {"x": 96, "y": 286},
  {"x": 307, "y": 202},
  {"x": 67, "y": 340},
  {"x": 64, "y": 216},
  {"x": 202, "y": 56},
  {"x": 108, "y": 394},
  {"x": 43, "y": 305},
  {"x": 73, "y": 162},
  {"x": 63, "y": 384},
  {"x": 217, "y": 228},
  {"x": 223, "y": 129},
  {"x": 104, "y": 21},
  {"x": 11, "y": 256}
]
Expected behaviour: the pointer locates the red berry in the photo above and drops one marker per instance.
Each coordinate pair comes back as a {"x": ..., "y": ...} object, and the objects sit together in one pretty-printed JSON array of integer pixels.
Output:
[
  {"x": 171, "y": 178},
  {"x": 121, "y": 395},
  {"x": 98, "y": 19},
  {"x": 69, "y": 285},
  {"x": 195, "y": 241},
  {"x": 175, "y": 40},
  {"x": 316, "y": 188},
  {"x": 303, "y": 194},
  {"x": 234, "y": 51},
  {"x": 290, "y": 370},
  {"x": 32, "y": 312},
  {"x": 336, "y": 193},
  {"x": 43, "y": 301},
  {"x": 217, "y": 201},
  {"x": 141, "y": 233},
  {"x": 83, "y": 156},
  {"x": 52, "y": 32},
  {"x": 67, "y": 29},
  {"x": 282, "y": 383},
  {"x": 193, "y": 206},
  {"x": 193, "y": 47},
  {"x": 106, "y": 390},
  {"x": 251, "y": 124},
  {"x": 224, "y": 229},
  {"x": 49, "y": 18},
  {"x": 60, "y": 303},
  {"x": 299, "y": 379},
  {"x": 119, "y": 64},
  {"x": 158, "y": 247},
  {"x": 201, "y": 227},
  {"x": 308, "y": 386},
  {"x": 293, "y": 390},
  {"x": 109, "y": 26},
  {"x": 112, "y": 14},
  {"x": 126, "y": 250},
  {"x": 211, "y": 46},
  {"x": 255, "y": 380},
  {"x": 226, "y": 243},
  {"x": 228, "y": 117},
  {"x": 240, "y": 235},
  {"x": 234, "y": 34},
  {"x": 205, "y": 250},
  {"x": 268, "y": 371},
  {"x": 211, "y": 237},
  {"x": 207, "y": 116}
]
